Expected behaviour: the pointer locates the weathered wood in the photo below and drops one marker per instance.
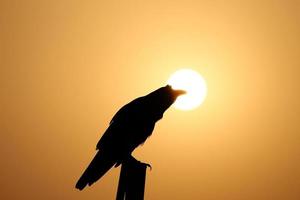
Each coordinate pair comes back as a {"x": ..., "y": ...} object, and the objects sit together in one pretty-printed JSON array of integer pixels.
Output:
[{"x": 132, "y": 180}]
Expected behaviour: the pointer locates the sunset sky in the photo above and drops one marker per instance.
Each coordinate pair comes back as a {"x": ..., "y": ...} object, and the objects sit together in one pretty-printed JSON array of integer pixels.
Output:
[{"x": 67, "y": 66}]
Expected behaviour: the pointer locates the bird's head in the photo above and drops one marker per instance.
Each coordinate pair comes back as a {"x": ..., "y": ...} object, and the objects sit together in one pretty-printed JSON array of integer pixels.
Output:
[
  {"x": 170, "y": 95},
  {"x": 173, "y": 93},
  {"x": 164, "y": 97}
]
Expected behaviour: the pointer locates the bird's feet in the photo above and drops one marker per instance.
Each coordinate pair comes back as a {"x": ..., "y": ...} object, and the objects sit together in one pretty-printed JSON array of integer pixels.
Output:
[
  {"x": 147, "y": 165},
  {"x": 131, "y": 158}
]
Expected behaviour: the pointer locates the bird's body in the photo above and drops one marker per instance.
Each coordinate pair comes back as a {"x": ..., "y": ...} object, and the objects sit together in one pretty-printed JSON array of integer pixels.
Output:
[{"x": 129, "y": 128}]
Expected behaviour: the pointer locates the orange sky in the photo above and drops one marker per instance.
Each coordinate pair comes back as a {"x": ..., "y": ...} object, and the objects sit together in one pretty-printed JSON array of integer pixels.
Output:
[{"x": 67, "y": 66}]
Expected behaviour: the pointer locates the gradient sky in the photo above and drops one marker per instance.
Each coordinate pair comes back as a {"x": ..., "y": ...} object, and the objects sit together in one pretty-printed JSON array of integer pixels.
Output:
[{"x": 67, "y": 66}]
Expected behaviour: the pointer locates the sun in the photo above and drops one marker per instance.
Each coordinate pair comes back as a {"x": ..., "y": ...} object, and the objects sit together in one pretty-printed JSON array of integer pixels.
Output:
[{"x": 193, "y": 83}]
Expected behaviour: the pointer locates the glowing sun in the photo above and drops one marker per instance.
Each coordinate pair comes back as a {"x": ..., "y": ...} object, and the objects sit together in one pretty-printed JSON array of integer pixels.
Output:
[{"x": 193, "y": 83}]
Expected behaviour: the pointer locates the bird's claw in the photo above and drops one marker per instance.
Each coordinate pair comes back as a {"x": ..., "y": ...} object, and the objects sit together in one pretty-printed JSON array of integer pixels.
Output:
[
  {"x": 147, "y": 165},
  {"x": 135, "y": 160}
]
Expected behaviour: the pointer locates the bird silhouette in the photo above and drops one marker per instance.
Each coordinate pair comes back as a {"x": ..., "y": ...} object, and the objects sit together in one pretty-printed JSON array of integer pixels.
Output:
[{"x": 129, "y": 128}]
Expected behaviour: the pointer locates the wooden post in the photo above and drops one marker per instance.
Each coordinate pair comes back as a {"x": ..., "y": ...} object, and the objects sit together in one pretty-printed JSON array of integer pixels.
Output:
[{"x": 132, "y": 180}]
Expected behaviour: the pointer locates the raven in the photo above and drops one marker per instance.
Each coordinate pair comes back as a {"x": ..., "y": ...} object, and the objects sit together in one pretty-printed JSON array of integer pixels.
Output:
[{"x": 129, "y": 128}]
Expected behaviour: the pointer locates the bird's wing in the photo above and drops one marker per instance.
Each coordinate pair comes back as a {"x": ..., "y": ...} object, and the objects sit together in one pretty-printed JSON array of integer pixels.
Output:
[
  {"x": 129, "y": 110},
  {"x": 120, "y": 125}
]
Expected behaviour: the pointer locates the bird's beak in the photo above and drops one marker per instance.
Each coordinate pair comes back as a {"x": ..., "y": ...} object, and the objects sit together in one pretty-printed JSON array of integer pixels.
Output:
[{"x": 179, "y": 92}]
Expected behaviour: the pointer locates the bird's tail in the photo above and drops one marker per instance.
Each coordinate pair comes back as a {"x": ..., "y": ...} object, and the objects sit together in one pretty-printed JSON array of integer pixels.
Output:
[{"x": 97, "y": 168}]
